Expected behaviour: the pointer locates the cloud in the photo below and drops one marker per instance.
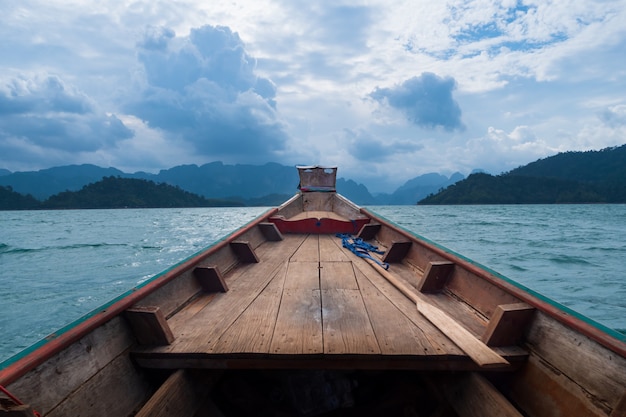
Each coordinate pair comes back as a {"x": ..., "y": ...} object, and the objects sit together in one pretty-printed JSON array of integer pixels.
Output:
[
  {"x": 426, "y": 101},
  {"x": 614, "y": 116},
  {"x": 364, "y": 146},
  {"x": 42, "y": 112},
  {"x": 203, "y": 88}
]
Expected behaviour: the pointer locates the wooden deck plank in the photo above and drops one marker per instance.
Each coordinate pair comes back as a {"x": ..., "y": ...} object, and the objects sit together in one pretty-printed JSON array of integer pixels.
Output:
[
  {"x": 337, "y": 275},
  {"x": 299, "y": 324},
  {"x": 395, "y": 333},
  {"x": 330, "y": 249},
  {"x": 347, "y": 329},
  {"x": 303, "y": 275},
  {"x": 202, "y": 331},
  {"x": 252, "y": 331},
  {"x": 196, "y": 305},
  {"x": 433, "y": 341},
  {"x": 308, "y": 251},
  {"x": 291, "y": 304}
]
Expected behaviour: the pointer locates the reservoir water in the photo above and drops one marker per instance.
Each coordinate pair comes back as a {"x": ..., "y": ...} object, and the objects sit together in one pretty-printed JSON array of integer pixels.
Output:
[{"x": 56, "y": 266}]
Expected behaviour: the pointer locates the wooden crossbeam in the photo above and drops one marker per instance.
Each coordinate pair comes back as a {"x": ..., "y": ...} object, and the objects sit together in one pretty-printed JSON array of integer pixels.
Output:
[
  {"x": 397, "y": 252},
  {"x": 435, "y": 276},
  {"x": 210, "y": 279},
  {"x": 181, "y": 395},
  {"x": 472, "y": 395},
  {"x": 149, "y": 326},
  {"x": 508, "y": 324},
  {"x": 368, "y": 231},
  {"x": 270, "y": 231},
  {"x": 244, "y": 251}
]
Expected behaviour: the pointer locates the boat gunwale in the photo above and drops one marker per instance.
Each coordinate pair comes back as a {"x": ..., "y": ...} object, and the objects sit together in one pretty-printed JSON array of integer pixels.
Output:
[
  {"x": 28, "y": 359},
  {"x": 603, "y": 335},
  {"x": 35, "y": 355}
]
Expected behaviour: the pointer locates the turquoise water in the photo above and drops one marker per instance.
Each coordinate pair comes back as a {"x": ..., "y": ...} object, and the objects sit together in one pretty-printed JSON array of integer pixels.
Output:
[{"x": 58, "y": 265}]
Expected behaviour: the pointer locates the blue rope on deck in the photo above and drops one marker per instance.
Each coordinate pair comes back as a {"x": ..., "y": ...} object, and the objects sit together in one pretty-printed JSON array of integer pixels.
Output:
[{"x": 361, "y": 248}]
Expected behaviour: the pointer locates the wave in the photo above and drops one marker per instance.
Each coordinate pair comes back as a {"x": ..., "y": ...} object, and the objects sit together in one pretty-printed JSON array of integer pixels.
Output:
[
  {"x": 8, "y": 249},
  {"x": 564, "y": 259},
  {"x": 518, "y": 268}
]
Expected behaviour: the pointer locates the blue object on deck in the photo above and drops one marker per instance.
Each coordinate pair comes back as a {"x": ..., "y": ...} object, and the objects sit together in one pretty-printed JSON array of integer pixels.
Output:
[{"x": 361, "y": 248}]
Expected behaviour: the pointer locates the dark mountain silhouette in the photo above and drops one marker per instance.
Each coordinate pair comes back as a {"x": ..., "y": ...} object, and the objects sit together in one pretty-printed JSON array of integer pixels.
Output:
[
  {"x": 570, "y": 177},
  {"x": 46, "y": 182},
  {"x": 10, "y": 200},
  {"x": 213, "y": 180},
  {"x": 116, "y": 192}
]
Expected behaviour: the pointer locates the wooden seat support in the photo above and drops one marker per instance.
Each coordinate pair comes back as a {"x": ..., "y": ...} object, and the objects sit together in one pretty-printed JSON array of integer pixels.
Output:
[
  {"x": 397, "y": 252},
  {"x": 244, "y": 251},
  {"x": 270, "y": 232},
  {"x": 369, "y": 231},
  {"x": 508, "y": 324},
  {"x": 149, "y": 325},
  {"x": 210, "y": 279},
  {"x": 435, "y": 276}
]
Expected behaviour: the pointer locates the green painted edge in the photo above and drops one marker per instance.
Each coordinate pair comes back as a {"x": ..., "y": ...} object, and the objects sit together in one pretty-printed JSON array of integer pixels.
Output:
[{"x": 104, "y": 307}]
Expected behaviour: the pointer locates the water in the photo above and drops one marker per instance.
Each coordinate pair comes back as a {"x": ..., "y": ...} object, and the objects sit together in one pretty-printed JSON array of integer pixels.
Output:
[
  {"x": 573, "y": 254},
  {"x": 56, "y": 266},
  {"x": 59, "y": 265}
]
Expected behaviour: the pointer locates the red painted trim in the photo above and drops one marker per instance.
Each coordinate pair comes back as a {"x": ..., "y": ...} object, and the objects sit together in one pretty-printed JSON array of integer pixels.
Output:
[
  {"x": 19, "y": 368},
  {"x": 553, "y": 311},
  {"x": 322, "y": 226}
]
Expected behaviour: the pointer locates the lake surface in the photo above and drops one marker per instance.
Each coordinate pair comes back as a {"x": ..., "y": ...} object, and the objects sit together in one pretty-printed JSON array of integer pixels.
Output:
[{"x": 56, "y": 266}]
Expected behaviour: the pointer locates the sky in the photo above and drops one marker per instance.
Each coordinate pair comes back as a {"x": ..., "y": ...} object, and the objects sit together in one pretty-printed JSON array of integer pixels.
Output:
[{"x": 386, "y": 90}]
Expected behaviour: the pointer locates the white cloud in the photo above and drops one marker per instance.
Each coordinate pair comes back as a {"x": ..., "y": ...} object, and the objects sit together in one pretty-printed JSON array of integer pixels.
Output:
[{"x": 255, "y": 81}]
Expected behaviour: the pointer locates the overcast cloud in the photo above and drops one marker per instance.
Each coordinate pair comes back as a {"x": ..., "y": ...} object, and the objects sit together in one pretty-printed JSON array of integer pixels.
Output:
[{"x": 386, "y": 90}]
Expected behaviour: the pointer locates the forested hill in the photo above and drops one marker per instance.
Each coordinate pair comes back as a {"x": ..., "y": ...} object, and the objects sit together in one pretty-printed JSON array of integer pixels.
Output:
[
  {"x": 570, "y": 177},
  {"x": 114, "y": 192}
]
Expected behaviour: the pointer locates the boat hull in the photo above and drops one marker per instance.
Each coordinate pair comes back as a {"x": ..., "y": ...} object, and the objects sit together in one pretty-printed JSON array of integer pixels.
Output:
[{"x": 555, "y": 362}]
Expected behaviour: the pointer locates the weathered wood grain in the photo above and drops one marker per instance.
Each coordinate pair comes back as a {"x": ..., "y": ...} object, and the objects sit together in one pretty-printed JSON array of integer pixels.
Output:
[
  {"x": 598, "y": 371},
  {"x": 476, "y": 349},
  {"x": 395, "y": 333},
  {"x": 308, "y": 251},
  {"x": 329, "y": 249},
  {"x": 181, "y": 395},
  {"x": 347, "y": 329},
  {"x": 117, "y": 390},
  {"x": 202, "y": 331},
  {"x": 303, "y": 275},
  {"x": 472, "y": 395},
  {"x": 299, "y": 324},
  {"x": 434, "y": 342},
  {"x": 253, "y": 329},
  {"x": 541, "y": 390},
  {"x": 74, "y": 366},
  {"x": 337, "y": 275}
]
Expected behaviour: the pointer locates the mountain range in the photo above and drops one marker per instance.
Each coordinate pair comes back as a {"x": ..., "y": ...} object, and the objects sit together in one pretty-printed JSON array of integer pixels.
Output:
[
  {"x": 568, "y": 177},
  {"x": 267, "y": 184}
]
